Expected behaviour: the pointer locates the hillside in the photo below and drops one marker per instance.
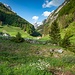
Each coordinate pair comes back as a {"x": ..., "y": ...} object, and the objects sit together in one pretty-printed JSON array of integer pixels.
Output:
[
  {"x": 35, "y": 59},
  {"x": 9, "y": 18},
  {"x": 12, "y": 31},
  {"x": 28, "y": 55},
  {"x": 65, "y": 17}
]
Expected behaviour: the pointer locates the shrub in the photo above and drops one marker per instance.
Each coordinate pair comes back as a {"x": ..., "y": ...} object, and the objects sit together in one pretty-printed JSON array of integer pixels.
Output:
[
  {"x": 66, "y": 40},
  {"x": 1, "y": 33},
  {"x": 18, "y": 38}
]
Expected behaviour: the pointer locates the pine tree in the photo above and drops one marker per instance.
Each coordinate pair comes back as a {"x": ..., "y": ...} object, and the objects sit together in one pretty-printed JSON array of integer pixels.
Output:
[
  {"x": 55, "y": 33},
  {"x": 18, "y": 38}
]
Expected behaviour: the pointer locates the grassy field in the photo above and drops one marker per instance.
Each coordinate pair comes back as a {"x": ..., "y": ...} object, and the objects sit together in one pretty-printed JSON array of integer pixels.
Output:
[
  {"x": 34, "y": 59},
  {"x": 14, "y": 30}
]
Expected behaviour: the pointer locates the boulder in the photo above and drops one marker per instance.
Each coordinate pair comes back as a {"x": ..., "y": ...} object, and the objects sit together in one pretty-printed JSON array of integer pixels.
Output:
[{"x": 60, "y": 51}]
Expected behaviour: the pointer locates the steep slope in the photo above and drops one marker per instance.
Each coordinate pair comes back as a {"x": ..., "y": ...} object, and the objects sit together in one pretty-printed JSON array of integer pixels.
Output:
[
  {"x": 64, "y": 15},
  {"x": 53, "y": 16},
  {"x": 8, "y": 17}
]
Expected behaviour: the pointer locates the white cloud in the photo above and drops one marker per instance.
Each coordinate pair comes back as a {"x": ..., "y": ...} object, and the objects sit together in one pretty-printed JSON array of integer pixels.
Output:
[
  {"x": 35, "y": 18},
  {"x": 39, "y": 23},
  {"x": 52, "y": 3},
  {"x": 46, "y": 13}
]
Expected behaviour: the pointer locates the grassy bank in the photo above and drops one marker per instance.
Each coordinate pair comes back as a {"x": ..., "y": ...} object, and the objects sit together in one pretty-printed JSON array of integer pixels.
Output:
[
  {"x": 14, "y": 30},
  {"x": 33, "y": 59}
]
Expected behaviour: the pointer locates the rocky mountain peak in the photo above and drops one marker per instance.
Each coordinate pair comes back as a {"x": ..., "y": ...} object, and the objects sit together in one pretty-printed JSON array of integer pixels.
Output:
[{"x": 7, "y": 6}]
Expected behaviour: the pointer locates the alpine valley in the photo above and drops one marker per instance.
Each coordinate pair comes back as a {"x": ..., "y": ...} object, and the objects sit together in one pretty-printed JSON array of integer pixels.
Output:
[{"x": 47, "y": 50}]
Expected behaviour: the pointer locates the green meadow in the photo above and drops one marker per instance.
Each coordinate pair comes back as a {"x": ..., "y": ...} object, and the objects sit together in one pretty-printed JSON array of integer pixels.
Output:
[
  {"x": 34, "y": 59},
  {"x": 14, "y": 30}
]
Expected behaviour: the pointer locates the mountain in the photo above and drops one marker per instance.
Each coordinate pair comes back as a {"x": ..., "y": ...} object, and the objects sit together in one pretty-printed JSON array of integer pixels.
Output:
[
  {"x": 64, "y": 15},
  {"x": 8, "y": 17},
  {"x": 7, "y": 6},
  {"x": 53, "y": 16}
]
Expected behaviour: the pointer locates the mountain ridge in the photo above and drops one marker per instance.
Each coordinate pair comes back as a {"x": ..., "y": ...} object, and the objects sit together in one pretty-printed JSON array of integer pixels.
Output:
[
  {"x": 64, "y": 16},
  {"x": 8, "y": 17},
  {"x": 53, "y": 16}
]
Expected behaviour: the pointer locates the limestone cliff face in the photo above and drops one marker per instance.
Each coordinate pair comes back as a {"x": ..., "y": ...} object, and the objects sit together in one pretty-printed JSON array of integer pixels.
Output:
[
  {"x": 53, "y": 16},
  {"x": 64, "y": 15}
]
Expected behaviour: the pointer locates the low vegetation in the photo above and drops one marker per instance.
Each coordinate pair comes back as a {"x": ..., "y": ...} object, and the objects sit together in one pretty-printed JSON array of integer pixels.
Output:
[
  {"x": 12, "y": 31},
  {"x": 23, "y": 54},
  {"x": 17, "y": 39},
  {"x": 35, "y": 59}
]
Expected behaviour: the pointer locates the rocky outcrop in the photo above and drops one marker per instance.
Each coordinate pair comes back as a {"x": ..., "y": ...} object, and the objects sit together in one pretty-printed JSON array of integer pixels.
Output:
[
  {"x": 7, "y": 6},
  {"x": 53, "y": 16}
]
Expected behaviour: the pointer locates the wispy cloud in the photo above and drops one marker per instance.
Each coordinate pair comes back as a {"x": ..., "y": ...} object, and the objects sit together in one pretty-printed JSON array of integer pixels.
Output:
[
  {"x": 35, "y": 18},
  {"x": 52, "y": 3},
  {"x": 47, "y": 13}
]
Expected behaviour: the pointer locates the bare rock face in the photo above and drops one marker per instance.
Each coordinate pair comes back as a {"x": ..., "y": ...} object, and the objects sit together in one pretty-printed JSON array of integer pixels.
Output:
[
  {"x": 53, "y": 16},
  {"x": 7, "y": 6}
]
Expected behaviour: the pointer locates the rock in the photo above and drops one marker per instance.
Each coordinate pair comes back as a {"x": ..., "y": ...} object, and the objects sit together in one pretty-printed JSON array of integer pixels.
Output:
[
  {"x": 60, "y": 51},
  {"x": 39, "y": 37},
  {"x": 51, "y": 50},
  {"x": 6, "y": 35},
  {"x": 56, "y": 50},
  {"x": 54, "y": 44}
]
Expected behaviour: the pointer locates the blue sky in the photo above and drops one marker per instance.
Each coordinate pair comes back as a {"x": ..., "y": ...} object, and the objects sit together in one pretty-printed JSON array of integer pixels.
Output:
[{"x": 33, "y": 10}]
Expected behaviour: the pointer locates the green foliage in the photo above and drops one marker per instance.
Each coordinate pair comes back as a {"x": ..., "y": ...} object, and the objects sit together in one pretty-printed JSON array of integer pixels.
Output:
[
  {"x": 69, "y": 59},
  {"x": 1, "y": 33},
  {"x": 7, "y": 17},
  {"x": 65, "y": 20},
  {"x": 66, "y": 15},
  {"x": 66, "y": 40},
  {"x": 55, "y": 33},
  {"x": 46, "y": 29},
  {"x": 30, "y": 29},
  {"x": 21, "y": 59},
  {"x": 18, "y": 38},
  {"x": 68, "y": 8}
]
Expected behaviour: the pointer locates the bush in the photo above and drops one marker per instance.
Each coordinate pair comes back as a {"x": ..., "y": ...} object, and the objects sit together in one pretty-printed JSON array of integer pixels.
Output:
[
  {"x": 18, "y": 38},
  {"x": 66, "y": 40},
  {"x": 35, "y": 34},
  {"x": 1, "y": 33}
]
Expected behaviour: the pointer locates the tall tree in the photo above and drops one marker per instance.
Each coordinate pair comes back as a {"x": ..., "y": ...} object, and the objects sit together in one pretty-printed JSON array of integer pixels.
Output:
[{"x": 55, "y": 33}]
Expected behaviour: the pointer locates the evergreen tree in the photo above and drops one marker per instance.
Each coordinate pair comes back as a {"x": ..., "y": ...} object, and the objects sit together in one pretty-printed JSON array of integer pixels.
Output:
[
  {"x": 18, "y": 38},
  {"x": 66, "y": 40},
  {"x": 55, "y": 33}
]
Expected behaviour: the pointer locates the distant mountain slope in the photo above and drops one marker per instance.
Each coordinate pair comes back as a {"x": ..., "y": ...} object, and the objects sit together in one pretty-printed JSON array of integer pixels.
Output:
[
  {"x": 64, "y": 15},
  {"x": 8, "y": 17}
]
